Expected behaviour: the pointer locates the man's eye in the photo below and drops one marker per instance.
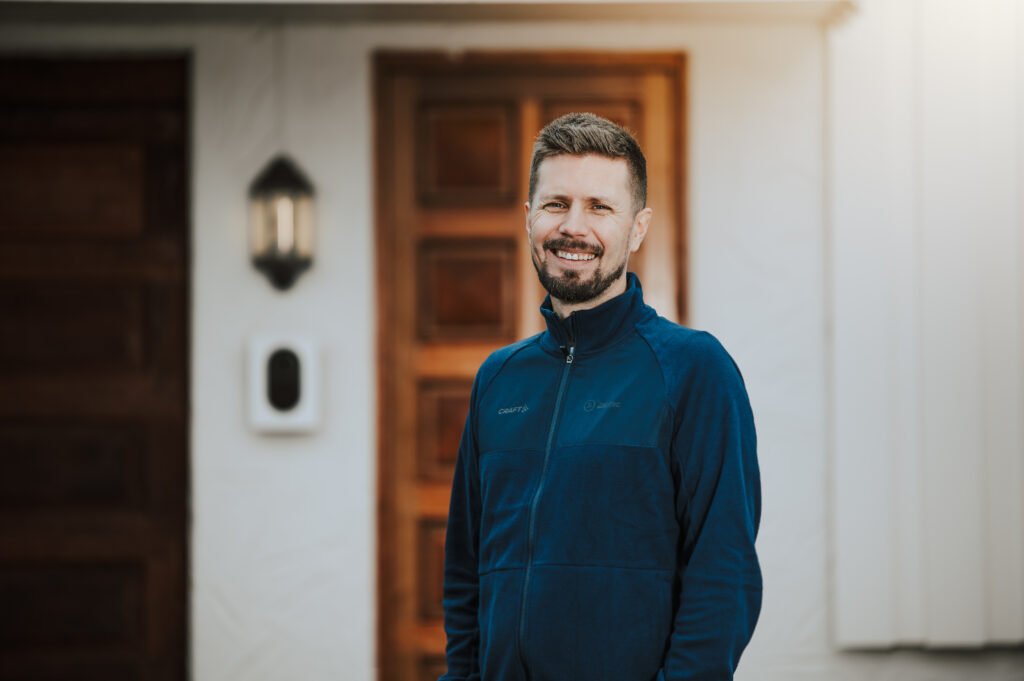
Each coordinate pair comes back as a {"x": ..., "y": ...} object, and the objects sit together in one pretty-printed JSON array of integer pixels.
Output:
[
  {"x": 601, "y": 206},
  {"x": 554, "y": 205}
]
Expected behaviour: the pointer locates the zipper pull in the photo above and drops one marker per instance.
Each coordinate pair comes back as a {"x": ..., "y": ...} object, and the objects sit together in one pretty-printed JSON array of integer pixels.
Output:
[{"x": 570, "y": 331}]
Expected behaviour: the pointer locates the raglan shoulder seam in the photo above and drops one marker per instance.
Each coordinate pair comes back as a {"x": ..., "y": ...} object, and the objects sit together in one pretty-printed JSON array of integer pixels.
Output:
[
  {"x": 657, "y": 361},
  {"x": 501, "y": 357},
  {"x": 671, "y": 395}
]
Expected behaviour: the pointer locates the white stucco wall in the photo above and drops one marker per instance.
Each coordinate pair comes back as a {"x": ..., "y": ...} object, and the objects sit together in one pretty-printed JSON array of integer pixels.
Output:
[
  {"x": 928, "y": 281},
  {"x": 283, "y": 535}
]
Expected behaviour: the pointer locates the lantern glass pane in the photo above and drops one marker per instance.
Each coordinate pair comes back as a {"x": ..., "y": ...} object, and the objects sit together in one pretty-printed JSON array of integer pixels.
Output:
[
  {"x": 281, "y": 224},
  {"x": 304, "y": 225},
  {"x": 259, "y": 227}
]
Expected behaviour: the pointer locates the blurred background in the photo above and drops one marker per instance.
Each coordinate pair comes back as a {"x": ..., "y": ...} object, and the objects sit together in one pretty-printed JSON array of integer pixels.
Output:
[{"x": 251, "y": 255}]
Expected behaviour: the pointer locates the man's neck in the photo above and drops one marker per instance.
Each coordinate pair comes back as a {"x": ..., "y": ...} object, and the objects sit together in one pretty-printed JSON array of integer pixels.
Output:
[{"x": 563, "y": 310}]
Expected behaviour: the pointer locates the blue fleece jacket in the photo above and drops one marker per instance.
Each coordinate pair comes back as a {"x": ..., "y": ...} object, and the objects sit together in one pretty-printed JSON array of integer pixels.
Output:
[{"x": 605, "y": 505}]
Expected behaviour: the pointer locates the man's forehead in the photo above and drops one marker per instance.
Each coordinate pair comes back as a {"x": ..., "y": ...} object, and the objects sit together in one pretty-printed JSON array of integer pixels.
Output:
[
  {"x": 565, "y": 172},
  {"x": 588, "y": 160}
]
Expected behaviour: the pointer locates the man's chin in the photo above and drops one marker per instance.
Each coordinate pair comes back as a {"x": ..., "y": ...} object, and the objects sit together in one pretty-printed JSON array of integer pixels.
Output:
[
  {"x": 576, "y": 287},
  {"x": 572, "y": 277}
]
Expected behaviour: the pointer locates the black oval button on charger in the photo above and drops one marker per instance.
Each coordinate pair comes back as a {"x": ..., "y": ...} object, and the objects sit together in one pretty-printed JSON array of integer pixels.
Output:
[{"x": 283, "y": 385}]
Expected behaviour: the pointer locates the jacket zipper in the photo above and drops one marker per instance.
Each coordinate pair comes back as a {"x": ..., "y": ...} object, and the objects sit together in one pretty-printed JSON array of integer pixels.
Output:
[{"x": 570, "y": 352}]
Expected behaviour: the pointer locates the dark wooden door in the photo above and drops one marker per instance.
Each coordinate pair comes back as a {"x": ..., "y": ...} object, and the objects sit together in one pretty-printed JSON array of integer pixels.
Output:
[
  {"x": 93, "y": 368},
  {"x": 454, "y": 274}
]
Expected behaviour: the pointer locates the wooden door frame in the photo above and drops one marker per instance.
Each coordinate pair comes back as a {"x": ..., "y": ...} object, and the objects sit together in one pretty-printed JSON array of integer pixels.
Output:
[{"x": 389, "y": 64}]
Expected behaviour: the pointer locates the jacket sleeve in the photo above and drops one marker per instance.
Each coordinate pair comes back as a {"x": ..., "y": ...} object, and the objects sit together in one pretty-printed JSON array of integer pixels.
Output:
[
  {"x": 462, "y": 541},
  {"x": 718, "y": 505}
]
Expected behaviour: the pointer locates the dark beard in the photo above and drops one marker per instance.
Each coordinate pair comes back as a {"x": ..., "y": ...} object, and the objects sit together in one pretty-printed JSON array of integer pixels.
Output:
[{"x": 568, "y": 288}]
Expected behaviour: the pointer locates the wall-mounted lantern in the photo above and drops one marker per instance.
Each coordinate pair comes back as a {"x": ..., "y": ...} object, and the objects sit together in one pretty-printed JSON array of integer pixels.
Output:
[{"x": 281, "y": 222}]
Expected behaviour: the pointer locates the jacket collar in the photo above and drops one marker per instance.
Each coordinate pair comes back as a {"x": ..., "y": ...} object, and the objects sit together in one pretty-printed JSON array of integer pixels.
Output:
[{"x": 598, "y": 327}]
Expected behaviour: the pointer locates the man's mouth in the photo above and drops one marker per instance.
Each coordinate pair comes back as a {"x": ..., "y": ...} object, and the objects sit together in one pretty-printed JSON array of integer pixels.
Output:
[
  {"x": 573, "y": 250},
  {"x": 569, "y": 255}
]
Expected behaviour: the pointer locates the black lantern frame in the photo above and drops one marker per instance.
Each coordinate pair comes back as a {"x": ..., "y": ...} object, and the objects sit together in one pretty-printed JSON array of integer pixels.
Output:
[{"x": 281, "y": 222}]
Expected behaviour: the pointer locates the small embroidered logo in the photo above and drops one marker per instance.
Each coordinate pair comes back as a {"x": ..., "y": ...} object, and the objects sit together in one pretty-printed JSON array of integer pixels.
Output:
[
  {"x": 591, "y": 405},
  {"x": 518, "y": 409}
]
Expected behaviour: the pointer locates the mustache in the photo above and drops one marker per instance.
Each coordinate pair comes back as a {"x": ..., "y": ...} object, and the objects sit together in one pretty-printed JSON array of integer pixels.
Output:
[{"x": 567, "y": 244}]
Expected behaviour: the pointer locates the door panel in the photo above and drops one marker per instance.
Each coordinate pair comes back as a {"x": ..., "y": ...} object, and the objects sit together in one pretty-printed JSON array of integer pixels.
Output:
[
  {"x": 455, "y": 279},
  {"x": 93, "y": 362},
  {"x": 466, "y": 153}
]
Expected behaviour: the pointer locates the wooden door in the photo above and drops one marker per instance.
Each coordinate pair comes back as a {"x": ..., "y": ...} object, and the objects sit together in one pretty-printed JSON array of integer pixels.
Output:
[
  {"x": 454, "y": 137},
  {"x": 93, "y": 362}
]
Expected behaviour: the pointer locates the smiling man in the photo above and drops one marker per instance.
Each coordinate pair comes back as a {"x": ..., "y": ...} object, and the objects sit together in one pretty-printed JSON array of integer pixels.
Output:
[
  {"x": 606, "y": 495},
  {"x": 584, "y": 219}
]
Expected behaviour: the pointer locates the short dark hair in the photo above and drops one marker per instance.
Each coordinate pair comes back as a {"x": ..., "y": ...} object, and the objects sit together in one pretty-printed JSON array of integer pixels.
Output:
[{"x": 579, "y": 134}]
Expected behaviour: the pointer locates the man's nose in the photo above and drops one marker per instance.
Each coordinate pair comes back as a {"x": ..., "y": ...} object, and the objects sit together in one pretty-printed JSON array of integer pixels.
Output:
[{"x": 575, "y": 222}]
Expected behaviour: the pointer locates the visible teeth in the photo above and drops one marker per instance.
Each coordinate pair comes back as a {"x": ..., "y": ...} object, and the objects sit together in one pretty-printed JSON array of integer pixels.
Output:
[{"x": 575, "y": 256}]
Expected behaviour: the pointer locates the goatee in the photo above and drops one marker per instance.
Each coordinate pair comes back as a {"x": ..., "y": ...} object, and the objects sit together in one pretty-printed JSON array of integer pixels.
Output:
[{"x": 569, "y": 288}]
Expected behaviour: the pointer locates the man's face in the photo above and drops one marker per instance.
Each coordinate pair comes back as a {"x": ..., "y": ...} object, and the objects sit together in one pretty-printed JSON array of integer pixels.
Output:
[{"x": 582, "y": 228}]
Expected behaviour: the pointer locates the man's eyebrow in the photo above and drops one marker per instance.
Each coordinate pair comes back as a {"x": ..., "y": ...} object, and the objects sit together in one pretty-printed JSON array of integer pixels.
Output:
[{"x": 566, "y": 198}]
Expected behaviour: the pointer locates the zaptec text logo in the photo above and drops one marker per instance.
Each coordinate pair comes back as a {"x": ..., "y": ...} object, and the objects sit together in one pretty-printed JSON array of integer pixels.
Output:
[
  {"x": 518, "y": 409},
  {"x": 591, "y": 405}
]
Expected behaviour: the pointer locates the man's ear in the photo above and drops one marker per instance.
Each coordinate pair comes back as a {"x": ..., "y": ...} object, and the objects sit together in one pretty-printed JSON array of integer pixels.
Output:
[
  {"x": 641, "y": 221},
  {"x": 526, "y": 209}
]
